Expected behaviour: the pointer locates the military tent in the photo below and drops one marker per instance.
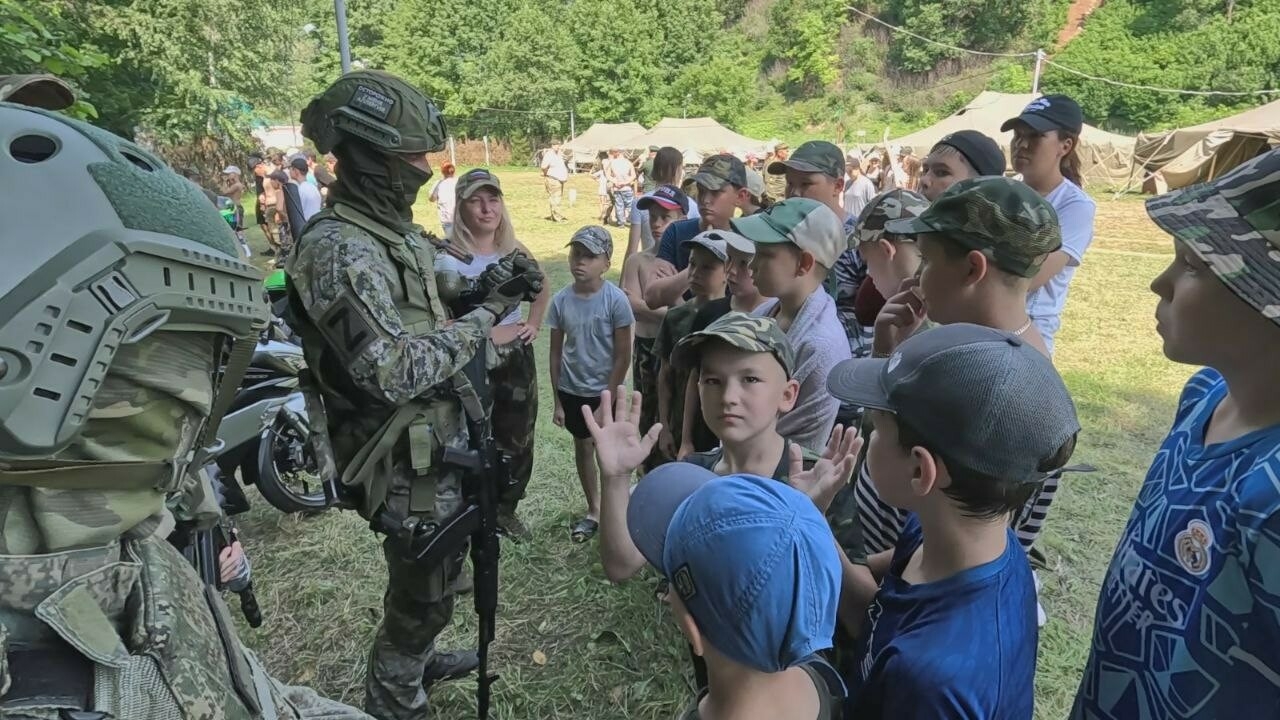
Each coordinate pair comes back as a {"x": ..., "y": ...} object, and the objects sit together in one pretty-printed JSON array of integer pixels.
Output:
[
  {"x": 1105, "y": 157},
  {"x": 1177, "y": 158},
  {"x": 601, "y": 136},
  {"x": 704, "y": 136}
]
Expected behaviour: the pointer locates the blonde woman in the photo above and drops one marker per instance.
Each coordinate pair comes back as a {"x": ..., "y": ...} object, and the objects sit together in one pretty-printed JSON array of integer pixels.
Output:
[{"x": 483, "y": 228}]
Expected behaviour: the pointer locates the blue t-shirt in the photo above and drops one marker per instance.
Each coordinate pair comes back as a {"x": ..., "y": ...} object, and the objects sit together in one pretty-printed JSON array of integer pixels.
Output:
[
  {"x": 963, "y": 647},
  {"x": 1188, "y": 621},
  {"x": 672, "y": 248}
]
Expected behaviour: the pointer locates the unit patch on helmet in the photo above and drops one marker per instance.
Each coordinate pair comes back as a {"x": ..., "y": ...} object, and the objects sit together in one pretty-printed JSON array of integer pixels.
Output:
[{"x": 372, "y": 102}]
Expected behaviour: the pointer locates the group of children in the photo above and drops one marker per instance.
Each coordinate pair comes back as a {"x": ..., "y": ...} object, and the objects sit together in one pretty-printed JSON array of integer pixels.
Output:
[{"x": 760, "y": 530}]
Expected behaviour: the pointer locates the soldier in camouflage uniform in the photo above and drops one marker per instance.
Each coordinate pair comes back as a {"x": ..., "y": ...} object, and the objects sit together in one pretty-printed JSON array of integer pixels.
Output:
[
  {"x": 377, "y": 339},
  {"x": 112, "y": 319}
]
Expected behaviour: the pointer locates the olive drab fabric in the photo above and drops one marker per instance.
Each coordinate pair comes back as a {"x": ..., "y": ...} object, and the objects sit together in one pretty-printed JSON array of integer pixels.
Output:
[
  {"x": 91, "y": 596},
  {"x": 376, "y": 337}
]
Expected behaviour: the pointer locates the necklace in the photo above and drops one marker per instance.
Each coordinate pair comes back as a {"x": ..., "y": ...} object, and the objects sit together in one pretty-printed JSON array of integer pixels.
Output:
[{"x": 1025, "y": 327}]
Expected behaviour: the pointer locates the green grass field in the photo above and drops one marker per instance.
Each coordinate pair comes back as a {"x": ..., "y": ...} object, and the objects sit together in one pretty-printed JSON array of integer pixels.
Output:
[{"x": 570, "y": 645}]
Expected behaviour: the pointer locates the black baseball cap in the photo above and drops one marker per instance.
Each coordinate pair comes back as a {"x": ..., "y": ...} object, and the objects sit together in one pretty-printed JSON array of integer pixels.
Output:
[
  {"x": 980, "y": 397},
  {"x": 982, "y": 152},
  {"x": 1051, "y": 112},
  {"x": 254, "y": 161},
  {"x": 299, "y": 164}
]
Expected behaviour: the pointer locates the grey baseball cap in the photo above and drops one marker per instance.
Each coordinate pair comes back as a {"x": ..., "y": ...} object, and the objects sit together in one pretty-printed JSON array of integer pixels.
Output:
[{"x": 981, "y": 397}]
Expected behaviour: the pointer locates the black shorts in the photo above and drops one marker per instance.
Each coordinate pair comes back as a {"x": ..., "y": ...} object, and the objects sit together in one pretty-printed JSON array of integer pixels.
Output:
[
  {"x": 573, "y": 420},
  {"x": 261, "y": 212}
]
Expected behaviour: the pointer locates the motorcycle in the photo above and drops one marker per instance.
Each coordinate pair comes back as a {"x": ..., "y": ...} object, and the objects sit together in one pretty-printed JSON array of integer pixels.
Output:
[{"x": 265, "y": 431}]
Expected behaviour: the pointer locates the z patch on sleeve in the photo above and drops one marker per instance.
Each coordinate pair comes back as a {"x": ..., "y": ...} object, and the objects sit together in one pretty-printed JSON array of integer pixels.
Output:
[{"x": 348, "y": 328}]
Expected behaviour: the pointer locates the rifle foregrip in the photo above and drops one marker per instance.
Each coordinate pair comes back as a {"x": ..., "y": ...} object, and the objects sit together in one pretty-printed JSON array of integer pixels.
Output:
[{"x": 249, "y": 606}]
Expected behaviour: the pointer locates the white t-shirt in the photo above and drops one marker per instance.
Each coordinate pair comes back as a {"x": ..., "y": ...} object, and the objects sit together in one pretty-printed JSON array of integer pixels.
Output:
[
  {"x": 473, "y": 269},
  {"x": 446, "y": 199},
  {"x": 1075, "y": 214},
  {"x": 309, "y": 199},
  {"x": 553, "y": 163}
]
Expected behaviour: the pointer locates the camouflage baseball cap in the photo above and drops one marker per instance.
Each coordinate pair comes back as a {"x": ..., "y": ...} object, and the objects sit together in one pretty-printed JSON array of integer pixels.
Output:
[
  {"x": 1233, "y": 225},
  {"x": 890, "y": 205},
  {"x": 720, "y": 170},
  {"x": 815, "y": 156},
  {"x": 473, "y": 180},
  {"x": 1000, "y": 217},
  {"x": 40, "y": 91},
  {"x": 803, "y": 222},
  {"x": 595, "y": 239},
  {"x": 745, "y": 332}
]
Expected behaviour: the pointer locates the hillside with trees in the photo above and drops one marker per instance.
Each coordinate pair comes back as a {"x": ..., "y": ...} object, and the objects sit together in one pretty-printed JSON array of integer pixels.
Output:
[{"x": 183, "y": 71}]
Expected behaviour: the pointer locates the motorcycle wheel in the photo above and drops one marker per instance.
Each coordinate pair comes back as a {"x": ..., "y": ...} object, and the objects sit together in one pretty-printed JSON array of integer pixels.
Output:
[{"x": 285, "y": 472}]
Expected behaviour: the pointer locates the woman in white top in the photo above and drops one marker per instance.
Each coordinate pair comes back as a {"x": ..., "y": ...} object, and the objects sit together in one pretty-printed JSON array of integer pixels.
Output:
[
  {"x": 483, "y": 228},
  {"x": 1045, "y": 140}
]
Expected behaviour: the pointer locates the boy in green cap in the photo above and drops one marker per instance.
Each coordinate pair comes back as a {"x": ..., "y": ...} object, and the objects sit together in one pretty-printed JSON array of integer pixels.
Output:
[
  {"x": 1186, "y": 621},
  {"x": 744, "y": 365}
]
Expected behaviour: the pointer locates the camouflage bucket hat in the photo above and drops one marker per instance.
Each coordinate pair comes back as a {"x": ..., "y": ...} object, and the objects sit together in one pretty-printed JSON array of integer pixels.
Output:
[
  {"x": 895, "y": 204},
  {"x": 720, "y": 170},
  {"x": 595, "y": 239},
  {"x": 1000, "y": 217},
  {"x": 745, "y": 332},
  {"x": 1233, "y": 225}
]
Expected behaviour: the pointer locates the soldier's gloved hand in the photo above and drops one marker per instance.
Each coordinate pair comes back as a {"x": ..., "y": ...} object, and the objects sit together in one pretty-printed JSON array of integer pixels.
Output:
[{"x": 503, "y": 298}]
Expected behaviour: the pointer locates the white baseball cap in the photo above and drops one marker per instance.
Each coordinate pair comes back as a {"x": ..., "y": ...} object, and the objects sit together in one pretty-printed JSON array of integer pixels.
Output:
[{"x": 231, "y": 170}]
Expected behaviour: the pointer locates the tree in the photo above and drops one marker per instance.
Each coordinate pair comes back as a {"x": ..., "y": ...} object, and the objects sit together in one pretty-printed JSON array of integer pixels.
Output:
[
  {"x": 722, "y": 86},
  {"x": 802, "y": 35},
  {"x": 621, "y": 76}
]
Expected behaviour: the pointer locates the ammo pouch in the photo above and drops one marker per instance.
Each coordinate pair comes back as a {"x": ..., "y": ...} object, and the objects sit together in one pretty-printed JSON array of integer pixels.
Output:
[{"x": 126, "y": 630}]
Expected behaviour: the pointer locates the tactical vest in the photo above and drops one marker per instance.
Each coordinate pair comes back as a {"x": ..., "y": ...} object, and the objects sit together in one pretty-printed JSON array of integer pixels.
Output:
[{"x": 424, "y": 423}]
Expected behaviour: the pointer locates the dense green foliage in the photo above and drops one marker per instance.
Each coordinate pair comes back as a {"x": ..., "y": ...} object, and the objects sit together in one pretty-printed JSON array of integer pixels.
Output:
[{"x": 178, "y": 70}]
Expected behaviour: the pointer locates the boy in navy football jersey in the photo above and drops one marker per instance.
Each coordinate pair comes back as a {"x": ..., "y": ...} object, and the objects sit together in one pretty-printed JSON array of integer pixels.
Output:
[
  {"x": 1188, "y": 621},
  {"x": 967, "y": 421}
]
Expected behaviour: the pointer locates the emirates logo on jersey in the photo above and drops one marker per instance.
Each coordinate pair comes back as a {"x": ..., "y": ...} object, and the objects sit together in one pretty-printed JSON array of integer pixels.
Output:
[{"x": 1192, "y": 547}]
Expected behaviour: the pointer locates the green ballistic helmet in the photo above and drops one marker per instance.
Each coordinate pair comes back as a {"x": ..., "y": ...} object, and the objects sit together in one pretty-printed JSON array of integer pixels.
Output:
[
  {"x": 378, "y": 108},
  {"x": 103, "y": 245}
]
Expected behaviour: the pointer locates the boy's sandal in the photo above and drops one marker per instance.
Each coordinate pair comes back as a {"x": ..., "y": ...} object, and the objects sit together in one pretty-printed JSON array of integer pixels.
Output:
[{"x": 584, "y": 530}]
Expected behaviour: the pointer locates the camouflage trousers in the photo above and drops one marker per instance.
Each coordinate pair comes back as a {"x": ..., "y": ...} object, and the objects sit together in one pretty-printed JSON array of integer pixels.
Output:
[
  {"x": 644, "y": 379},
  {"x": 417, "y": 605},
  {"x": 515, "y": 412}
]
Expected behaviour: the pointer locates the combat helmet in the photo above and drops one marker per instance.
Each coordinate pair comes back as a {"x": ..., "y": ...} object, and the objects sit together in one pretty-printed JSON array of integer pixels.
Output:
[
  {"x": 378, "y": 108},
  {"x": 103, "y": 245}
]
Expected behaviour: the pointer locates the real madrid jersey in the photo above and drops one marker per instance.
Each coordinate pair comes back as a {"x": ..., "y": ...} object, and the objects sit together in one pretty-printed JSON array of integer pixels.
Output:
[{"x": 1188, "y": 623}]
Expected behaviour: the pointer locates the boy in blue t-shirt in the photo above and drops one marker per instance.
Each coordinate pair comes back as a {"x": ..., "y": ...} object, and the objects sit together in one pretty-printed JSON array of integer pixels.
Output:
[
  {"x": 967, "y": 421},
  {"x": 1188, "y": 621}
]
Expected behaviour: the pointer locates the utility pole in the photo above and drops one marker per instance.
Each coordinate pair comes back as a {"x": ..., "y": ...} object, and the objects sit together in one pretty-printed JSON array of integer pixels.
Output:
[
  {"x": 573, "y": 132},
  {"x": 1035, "y": 80},
  {"x": 344, "y": 44}
]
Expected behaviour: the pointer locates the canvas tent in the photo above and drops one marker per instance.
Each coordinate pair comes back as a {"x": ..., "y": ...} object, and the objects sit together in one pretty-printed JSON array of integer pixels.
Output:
[
  {"x": 1178, "y": 158},
  {"x": 1105, "y": 157},
  {"x": 703, "y": 136},
  {"x": 601, "y": 136}
]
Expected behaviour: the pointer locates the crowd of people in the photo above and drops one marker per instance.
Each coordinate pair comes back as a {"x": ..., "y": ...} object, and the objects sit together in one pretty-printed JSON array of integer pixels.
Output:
[{"x": 844, "y": 434}]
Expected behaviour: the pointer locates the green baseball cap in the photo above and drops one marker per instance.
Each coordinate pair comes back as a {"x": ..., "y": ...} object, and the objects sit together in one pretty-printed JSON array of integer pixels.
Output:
[
  {"x": 1000, "y": 217},
  {"x": 805, "y": 223},
  {"x": 720, "y": 170},
  {"x": 469, "y": 183},
  {"x": 1233, "y": 225},
  {"x": 745, "y": 332},
  {"x": 594, "y": 238},
  {"x": 815, "y": 156},
  {"x": 889, "y": 205}
]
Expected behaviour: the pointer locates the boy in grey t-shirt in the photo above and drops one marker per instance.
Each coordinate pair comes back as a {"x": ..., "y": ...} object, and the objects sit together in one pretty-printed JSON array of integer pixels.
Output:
[{"x": 591, "y": 326}]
